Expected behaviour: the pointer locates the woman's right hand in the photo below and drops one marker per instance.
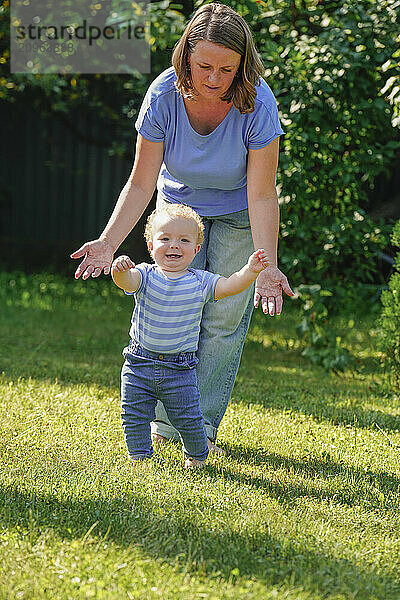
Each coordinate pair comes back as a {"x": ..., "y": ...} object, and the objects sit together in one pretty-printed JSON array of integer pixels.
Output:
[{"x": 98, "y": 256}]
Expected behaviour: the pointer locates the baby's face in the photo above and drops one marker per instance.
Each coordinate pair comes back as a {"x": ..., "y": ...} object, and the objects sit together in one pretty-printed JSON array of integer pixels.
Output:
[{"x": 174, "y": 244}]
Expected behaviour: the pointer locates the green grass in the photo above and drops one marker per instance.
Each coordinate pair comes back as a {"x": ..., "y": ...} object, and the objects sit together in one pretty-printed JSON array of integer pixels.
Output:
[{"x": 304, "y": 506}]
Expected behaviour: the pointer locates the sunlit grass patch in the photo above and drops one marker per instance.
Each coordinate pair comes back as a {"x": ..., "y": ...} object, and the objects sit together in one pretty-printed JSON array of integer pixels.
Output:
[{"x": 304, "y": 506}]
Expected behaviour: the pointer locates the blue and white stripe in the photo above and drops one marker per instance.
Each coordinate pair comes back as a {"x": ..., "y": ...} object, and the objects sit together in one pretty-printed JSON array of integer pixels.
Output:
[{"x": 168, "y": 312}]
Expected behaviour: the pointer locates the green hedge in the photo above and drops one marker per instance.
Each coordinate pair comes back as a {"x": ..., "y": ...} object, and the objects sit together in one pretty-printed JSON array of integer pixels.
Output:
[
  {"x": 332, "y": 66},
  {"x": 390, "y": 317}
]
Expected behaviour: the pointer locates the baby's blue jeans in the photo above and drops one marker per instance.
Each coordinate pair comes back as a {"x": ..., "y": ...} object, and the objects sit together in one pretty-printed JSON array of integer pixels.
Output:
[
  {"x": 227, "y": 246},
  {"x": 148, "y": 378}
]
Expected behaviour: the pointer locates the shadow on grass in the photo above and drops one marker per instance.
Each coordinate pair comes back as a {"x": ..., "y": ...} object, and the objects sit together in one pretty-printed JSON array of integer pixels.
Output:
[
  {"x": 309, "y": 390},
  {"x": 204, "y": 551},
  {"x": 327, "y": 469}
]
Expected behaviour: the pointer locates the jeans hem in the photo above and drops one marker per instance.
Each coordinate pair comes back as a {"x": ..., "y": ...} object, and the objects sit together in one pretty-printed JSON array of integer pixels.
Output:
[
  {"x": 211, "y": 432},
  {"x": 202, "y": 457},
  {"x": 136, "y": 457},
  {"x": 165, "y": 430},
  {"x": 171, "y": 433}
]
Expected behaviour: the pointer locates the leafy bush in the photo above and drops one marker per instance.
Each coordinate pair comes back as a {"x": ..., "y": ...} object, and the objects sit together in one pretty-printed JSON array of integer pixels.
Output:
[
  {"x": 333, "y": 67},
  {"x": 339, "y": 251},
  {"x": 323, "y": 346},
  {"x": 389, "y": 339},
  {"x": 113, "y": 99}
]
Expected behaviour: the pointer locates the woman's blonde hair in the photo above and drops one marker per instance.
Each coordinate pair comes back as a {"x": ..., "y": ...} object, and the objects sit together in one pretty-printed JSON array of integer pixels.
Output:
[
  {"x": 175, "y": 210},
  {"x": 222, "y": 25}
]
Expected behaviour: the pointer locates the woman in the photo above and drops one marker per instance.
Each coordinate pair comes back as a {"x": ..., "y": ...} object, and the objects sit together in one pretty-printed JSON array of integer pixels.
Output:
[{"x": 208, "y": 136}]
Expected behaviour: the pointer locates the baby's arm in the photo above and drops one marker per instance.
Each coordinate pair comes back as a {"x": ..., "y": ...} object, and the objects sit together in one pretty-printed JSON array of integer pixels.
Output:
[
  {"x": 124, "y": 274},
  {"x": 241, "y": 280}
]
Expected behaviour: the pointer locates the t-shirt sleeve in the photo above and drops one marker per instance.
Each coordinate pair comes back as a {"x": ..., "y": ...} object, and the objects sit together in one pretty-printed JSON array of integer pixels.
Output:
[
  {"x": 265, "y": 126},
  {"x": 209, "y": 281},
  {"x": 150, "y": 119},
  {"x": 142, "y": 268}
]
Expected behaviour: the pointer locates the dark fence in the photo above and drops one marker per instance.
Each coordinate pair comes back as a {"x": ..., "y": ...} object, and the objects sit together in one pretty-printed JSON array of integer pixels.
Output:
[{"x": 57, "y": 190}]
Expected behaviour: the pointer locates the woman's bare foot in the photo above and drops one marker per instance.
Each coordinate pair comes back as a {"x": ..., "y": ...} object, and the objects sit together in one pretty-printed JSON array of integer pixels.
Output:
[
  {"x": 193, "y": 463},
  {"x": 159, "y": 439},
  {"x": 213, "y": 448}
]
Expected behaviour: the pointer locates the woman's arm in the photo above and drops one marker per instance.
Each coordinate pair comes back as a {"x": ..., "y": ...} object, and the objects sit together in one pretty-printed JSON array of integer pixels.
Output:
[
  {"x": 263, "y": 199},
  {"x": 130, "y": 206},
  {"x": 264, "y": 220}
]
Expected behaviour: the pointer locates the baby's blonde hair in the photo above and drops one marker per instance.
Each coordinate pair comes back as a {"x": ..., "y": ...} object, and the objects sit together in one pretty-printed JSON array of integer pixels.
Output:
[{"x": 175, "y": 210}]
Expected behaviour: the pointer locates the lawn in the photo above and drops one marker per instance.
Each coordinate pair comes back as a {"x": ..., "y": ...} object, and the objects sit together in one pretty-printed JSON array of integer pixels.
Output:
[{"x": 304, "y": 506}]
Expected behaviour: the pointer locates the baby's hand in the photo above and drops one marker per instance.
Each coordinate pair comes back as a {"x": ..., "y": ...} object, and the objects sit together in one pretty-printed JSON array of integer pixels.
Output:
[
  {"x": 258, "y": 261},
  {"x": 122, "y": 263}
]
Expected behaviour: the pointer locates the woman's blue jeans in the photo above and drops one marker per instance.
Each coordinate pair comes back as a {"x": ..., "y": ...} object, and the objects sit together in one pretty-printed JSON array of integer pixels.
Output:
[
  {"x": 148, "y": 377},
  {"x": 227, "y": 246}
]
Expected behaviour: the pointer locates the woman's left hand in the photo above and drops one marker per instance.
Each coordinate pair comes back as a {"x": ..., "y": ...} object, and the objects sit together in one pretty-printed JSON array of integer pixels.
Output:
[{"x": 269, "y": 286}]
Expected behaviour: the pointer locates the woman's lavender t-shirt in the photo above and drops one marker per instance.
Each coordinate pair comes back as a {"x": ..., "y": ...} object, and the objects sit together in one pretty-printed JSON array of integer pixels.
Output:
[{"x": 207, "y": 172}]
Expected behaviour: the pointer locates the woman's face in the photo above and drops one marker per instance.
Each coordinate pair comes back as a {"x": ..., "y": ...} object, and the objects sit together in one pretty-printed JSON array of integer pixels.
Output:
[{"x": 213, "y": 68}]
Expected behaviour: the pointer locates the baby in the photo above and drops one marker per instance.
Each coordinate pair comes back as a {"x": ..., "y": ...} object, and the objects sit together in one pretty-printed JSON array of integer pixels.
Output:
[{"x": 161, "y": 357}]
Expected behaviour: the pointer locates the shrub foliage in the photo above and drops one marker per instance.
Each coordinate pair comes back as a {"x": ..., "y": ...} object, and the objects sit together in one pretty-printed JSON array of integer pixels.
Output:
[
  {"x": 390, "y": 317},
  {"x": 333, "y": 67}
]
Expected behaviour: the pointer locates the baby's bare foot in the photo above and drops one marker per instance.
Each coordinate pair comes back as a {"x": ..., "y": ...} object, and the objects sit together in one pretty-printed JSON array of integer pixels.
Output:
[
  {"x": 213, "y": 448},
  {"x": 141, "y": 464},
  {"x": 193, "y": 463}
]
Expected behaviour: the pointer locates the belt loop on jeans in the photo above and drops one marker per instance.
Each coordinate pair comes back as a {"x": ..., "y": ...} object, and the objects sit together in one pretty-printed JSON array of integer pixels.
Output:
[{"x": 178, "y": 357}]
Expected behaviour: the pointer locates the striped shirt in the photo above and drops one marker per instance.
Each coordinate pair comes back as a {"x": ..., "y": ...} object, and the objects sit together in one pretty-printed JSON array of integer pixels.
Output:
[{"x": 168, "y": 311}]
